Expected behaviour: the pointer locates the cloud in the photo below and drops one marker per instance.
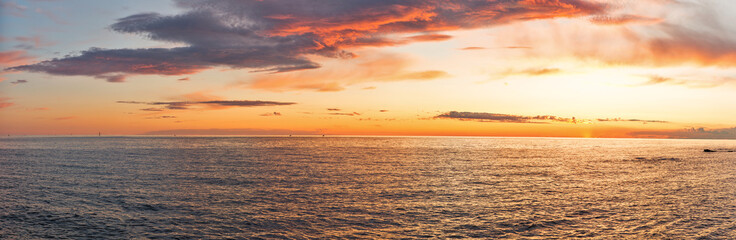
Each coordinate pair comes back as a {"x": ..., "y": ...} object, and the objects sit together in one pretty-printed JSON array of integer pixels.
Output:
[
  {"x": 13, "y": 8},
  {"x": 371, "y": 67},
  {"x": 508, "y": 118},
  {"x": 518, "y": 47},
  {"x": 51, "y": 15},
  {"x": 423, "y": 75},
  {"x": 383, "y": 110},
  {"x": 282, "y": 35},
  {"x": 235, "y": 131},
  {"x": 147, "y": 109},
  {"x": 4, "y": 102},
  {"x": 688, "y": 81},
  {"x": 630, "y": 120},
  {"x": 624, "y": 19},
  {"x": 346, "y": 114},
  {"x": 183, "y": 79},
  {"x": 678, "y": 33},
  {"x": 212, "y": 104},
  {"x": 15, "y": 57},
  {"x": 541, "y": 71},
  {"x": 31, "y": 42},
  {"x": 271, "y": 114},
  {"x": 334, "y": 109},
  {"x": 530, "y": 72},
  {"x": 497, "y": 117},
  {"x": 472, "y": 48},
  {"x": 693, "y": 133},
  {"x": 161, "y": 117},
  {"x": 112, "y": 78},
  {"x": 19, "y": 81},
  {"x": 428, "y": 37}
]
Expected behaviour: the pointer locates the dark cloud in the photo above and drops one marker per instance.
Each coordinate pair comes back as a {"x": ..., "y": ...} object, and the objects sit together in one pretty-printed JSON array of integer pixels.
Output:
[
  {"x": 151, "y": 109},
  {"x": 278, "y": 35},
  {"x": 693, "y": 133},
  {"x": 183, "y": 79},
  {"x": 19, "y": 81},
  {"x": 271, "y": 114},
  {"x": 238, "y": 131},
  {"x": 497, "y": 117},
  {"x": 334, "y": 109},
  {"x": 382, "y": 110},
  {"x": 112, "y": 78},
  {"x": 181, "y": 105}
]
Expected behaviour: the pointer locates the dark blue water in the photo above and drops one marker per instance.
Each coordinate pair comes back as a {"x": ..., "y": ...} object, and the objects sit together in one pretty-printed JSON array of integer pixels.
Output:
[{"x": 365, "y": 187}]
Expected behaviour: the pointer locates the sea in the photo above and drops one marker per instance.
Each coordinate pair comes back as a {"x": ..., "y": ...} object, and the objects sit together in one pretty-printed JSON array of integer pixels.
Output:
[{"x": 278, "y": 187}]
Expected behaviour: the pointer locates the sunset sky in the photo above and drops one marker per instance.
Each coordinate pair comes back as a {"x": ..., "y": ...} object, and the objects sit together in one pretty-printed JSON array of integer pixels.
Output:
[{"x": 554, "y": 68}]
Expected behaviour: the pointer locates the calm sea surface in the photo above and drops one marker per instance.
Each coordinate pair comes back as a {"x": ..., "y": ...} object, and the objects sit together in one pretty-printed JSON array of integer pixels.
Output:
[{"x": 365, "y": 187}]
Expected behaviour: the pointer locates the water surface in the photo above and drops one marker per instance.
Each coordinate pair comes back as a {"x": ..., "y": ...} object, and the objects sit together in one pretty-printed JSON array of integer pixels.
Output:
[{"x": 365, "y": 187}]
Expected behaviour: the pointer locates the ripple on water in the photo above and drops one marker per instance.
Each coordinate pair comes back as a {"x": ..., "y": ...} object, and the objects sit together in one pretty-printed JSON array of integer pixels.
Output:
[{"x": 365, "y": 188}]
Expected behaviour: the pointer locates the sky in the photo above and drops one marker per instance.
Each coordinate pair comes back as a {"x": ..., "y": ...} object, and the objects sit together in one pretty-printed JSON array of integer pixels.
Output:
[{"x": 517, "y": 68}]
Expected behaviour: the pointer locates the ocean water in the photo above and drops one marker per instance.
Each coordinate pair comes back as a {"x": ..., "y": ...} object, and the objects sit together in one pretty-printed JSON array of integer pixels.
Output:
[{"x": 365, "y": 188}]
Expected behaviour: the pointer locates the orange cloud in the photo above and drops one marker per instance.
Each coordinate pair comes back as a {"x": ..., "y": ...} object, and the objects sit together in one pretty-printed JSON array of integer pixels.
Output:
[
  {"x": 12, "y": 58},
  {"x": 624, "y": 20},
  {"x": 369, "y": 68},
  {"x": 4, "y": 102}
]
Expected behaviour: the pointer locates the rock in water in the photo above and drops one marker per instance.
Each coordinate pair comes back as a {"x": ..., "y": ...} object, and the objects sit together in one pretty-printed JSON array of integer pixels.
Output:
[{"x": 708, "y": 150}]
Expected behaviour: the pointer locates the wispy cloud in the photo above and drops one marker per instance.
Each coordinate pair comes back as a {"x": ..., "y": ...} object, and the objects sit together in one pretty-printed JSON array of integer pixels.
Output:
[
  {"x": 624, "y": 19},
  {"x": 701, "y": 81},
  {"x": 473, "y": 48},
  {"x": 161, "y": 117},
  {"x": 31, "y": 42},
  {"x": 15, "y": 57},
  {"x": 4, "y": 102},
  {"x": 371, "y": 67},
  {"x": 694, "y": 133},
  {"x": 346, "y": 114},
  {"x": 630, "y": 120},
  {"x": 509, "y": 118},
  {"x": 231, "y": 131},
  {"x": 215, "y": 104}
]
